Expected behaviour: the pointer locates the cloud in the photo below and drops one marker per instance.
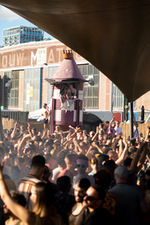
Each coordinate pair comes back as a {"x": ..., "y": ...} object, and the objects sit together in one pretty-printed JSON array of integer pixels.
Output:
[{"x": 8, "y": 14}]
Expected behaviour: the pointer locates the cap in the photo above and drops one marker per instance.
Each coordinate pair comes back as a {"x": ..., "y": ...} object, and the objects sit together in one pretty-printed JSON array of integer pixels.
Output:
[{"x": 121, "y": 171}]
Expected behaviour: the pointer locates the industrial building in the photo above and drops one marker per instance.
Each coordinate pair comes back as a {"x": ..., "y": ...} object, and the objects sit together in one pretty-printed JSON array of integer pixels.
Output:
[{"x": 27, "y": 65}]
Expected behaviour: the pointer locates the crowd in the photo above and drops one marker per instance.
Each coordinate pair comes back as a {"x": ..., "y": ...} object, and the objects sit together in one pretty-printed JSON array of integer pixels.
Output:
[{"x": 74, "y": 177}]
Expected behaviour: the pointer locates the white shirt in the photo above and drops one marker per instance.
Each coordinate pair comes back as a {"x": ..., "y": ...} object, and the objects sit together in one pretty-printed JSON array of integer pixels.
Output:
[{"x": 118, "y": 130}]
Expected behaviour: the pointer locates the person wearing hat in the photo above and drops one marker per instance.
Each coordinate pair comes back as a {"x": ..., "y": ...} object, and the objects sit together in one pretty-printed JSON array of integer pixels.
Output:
[{"x": 130, "y": 205}]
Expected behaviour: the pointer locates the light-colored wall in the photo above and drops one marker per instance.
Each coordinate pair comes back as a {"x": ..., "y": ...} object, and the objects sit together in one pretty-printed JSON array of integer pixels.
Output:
[{"x": 30, "y": 54}]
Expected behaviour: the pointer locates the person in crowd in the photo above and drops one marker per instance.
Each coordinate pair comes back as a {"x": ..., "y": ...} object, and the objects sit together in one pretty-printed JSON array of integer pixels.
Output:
[
  {"x": 79, "y": 212},
  {"x": 111, "y": 130},
  {"x": 118, "y": 129},
  {"x": 72, "y": 93},
  {"x": 84, "y": 134},
  {"x": 135, "y": 130},
  {"x": 70, "y": 160},
  {"x": 95, "y": 196},
  {"x": 93, "y": 165},
  {"x": 120, "y": 156},
  {"x": 10, "y": 218},
  {"x": 106, "y": 126},
  {"x": 130, "y": 205},
  {"x": 51, "y": 161},
  {"x": 147, "y": 195},
  {"x": 63, "y": 95},
  {"x": 104, "y": 179},
  {"x": 58, "y": 132},
  {"x": 21, "y": 162},
  {"x": 64, "y": 201},
  {"x": 46, "y": 114},
  {"x": 60, "y": 166},
  {"x": 47, "y": 172},
  {"x": 15, "y": 175},
  {"x": 80, "y": 136},
  {"x": 82, "y": 164},
  {"x": 27, "y": 183},
  {"x": 21, "y": 144},
  {"x": 43, "y": 213},
  {"x": 11, "y": 187}
]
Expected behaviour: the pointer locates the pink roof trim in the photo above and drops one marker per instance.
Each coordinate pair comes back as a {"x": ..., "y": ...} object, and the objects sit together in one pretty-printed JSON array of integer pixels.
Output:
[{"x": 67, "y": 70}]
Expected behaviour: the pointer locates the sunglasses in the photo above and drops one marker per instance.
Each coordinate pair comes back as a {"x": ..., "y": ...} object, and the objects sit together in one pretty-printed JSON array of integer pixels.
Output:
[{"x": 90, "y": 198}]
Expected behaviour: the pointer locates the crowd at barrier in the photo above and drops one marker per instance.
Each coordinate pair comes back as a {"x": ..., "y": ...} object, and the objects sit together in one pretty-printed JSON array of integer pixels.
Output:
[{"x": 75, "y": 177}]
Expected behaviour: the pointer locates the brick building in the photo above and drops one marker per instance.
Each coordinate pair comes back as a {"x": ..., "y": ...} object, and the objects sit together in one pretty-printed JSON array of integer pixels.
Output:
[{"x": 28, "y": 64}]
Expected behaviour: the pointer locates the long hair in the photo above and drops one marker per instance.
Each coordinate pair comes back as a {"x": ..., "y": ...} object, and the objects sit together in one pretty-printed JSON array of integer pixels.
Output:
[{"x": 44, "y": 201}]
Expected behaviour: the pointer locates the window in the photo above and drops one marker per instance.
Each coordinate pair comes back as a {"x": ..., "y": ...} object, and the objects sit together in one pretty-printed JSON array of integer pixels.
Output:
[
  {"x": 91, "y": 93},
  {"x": 13, "y": 96},
  {"x": 118, "y": 98},
  {"x": 32, "y": 89}
]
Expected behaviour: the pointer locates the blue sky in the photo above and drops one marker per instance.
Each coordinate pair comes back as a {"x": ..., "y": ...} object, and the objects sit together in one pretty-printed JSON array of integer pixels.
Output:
[{"x": 11, "y": 19}]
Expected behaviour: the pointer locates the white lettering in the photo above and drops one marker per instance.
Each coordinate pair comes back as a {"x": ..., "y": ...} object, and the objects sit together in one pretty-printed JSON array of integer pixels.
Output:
[
  {"x": 41, "y": 56},
  {"x": 60, "y": 54},
  {"x": 12, "y": 60},
  {"x": 33, "y": 58},
  {"x": 4, "y": 61},
  {"x": 19, "y": 59},
  {"x": 51, "y": 56}
]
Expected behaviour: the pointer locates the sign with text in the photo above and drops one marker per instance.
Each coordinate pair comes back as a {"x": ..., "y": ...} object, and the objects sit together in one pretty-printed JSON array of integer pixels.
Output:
[{"x": 38, "y": 54}]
